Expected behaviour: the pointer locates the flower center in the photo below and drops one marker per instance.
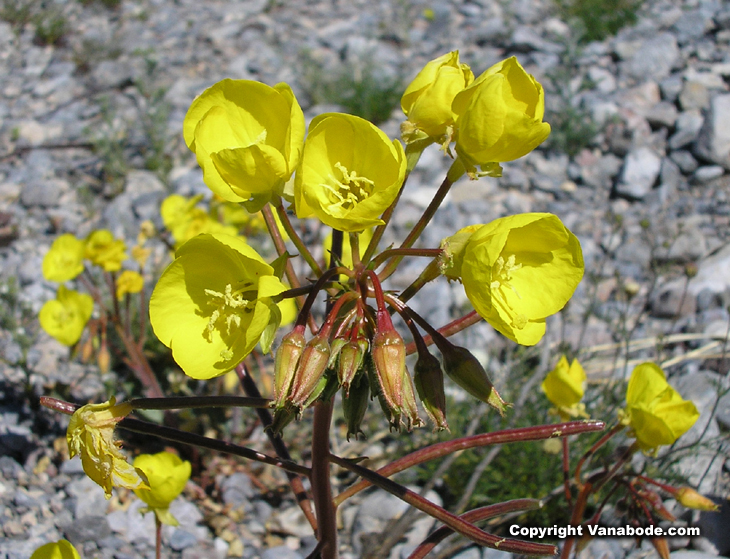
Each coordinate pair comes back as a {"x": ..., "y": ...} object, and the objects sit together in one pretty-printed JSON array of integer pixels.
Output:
[
  {"x": 349, "y": 190},
  {"x": 229, "y": 308},
  {"x": 501, "y": 281}
]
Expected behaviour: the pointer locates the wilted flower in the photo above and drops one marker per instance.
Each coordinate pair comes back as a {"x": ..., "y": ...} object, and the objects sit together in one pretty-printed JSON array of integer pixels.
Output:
[
  {"x": 105, "y": 251},
  {"x": 65, "y": 259},
  {"x": 247, "y": 137},
  {"x": 518, "y": 270},
  {"x": 65, "y": 317},
  {"x": 499, "y": 117},
  {"x": 213, "y": 303},
  {"x": 166, "y": 475},
  {"x": 427, "y": 100},
  {"x": 129, "y": 281},
  {"x": 564, "y": 387},
  {"x": 91, "y": 434},
  {"x": 62, "y": 549},
  {"x": 350, "y": 173},
  {"x": 693, "y": 500},
  {"x": 655, "y": 412}
]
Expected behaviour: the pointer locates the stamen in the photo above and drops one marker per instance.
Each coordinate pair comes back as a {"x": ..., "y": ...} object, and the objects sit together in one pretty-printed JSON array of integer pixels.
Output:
[
  {"x": 349, "y": 190},
  {"x": 502, "y": 274},
  {"x": 229, "y": 304}
]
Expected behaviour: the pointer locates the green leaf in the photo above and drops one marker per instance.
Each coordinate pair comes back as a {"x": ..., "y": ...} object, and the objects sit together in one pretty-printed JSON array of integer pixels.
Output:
[{"x": 269, "y": 333}]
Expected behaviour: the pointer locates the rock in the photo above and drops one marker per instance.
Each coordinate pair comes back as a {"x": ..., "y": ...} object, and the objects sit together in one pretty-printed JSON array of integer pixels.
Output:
[
  {"x": 92, "y": 529},
  {"x": 672, "y": 301},
  {"x": 654, "y": 58},
  {"x": 713, "y": 273},
  {"x": 280, "y": 552},
  {"x": 88, "y": 496},
  {"x": 689, "y": 124},
  {"x": 713, "y": 143},
  {"x": 694, "y": 96},
  {"x": 663, "y": 113},
  {"x": 707, "y": 173},
  {"x": 237, "y": 490},
  {"x": 639, "y": 174},
  {"x": 684, "y": 160}
]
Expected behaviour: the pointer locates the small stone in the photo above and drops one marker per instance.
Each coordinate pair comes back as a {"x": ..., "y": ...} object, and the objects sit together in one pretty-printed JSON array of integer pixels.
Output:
[
  {"x": 639, "y": 174},
  {"x": 689, "y": 124},
  {"x": 671, "y": 301},
  {"x": 694, "y": 96},
  {"x": 654, "y": 59},
  {"x": 237, "y": 490},
  {"x": 663, "y": 113},
  {"x": 280, "y": 552},
  {"x": 713, "y": 143},
  {"x": 707, "y": 173},
  {"x": 684, "y": 161},
  {"x": 181, "y": 539}
]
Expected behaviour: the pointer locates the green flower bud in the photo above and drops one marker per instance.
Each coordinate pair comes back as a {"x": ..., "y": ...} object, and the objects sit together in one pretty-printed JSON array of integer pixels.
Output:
[
  {"x": 351, "y": 357},
  {"x": 466, "y": 371},
  {"x": 389, "y": 358},
  {"x": 409, "y": 403},
  {"x": 429, "y": 380},
  {"x": 309, "y": 377},
  {"x": 285, "y": 363},
  {"x": 355, "y": 404}
]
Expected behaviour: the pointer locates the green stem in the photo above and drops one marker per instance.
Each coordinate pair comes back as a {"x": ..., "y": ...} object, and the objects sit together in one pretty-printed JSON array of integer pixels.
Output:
[
  {"x": 296, "y": 239},
  {"x": 413, "y": 154},
  {"x": 455, "y": 171},
  {"x": 430, "y": 273},
  {"x": 291, "y": 275}
]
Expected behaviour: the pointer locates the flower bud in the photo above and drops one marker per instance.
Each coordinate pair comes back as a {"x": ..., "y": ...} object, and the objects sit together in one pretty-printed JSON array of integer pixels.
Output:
[
  {"x": 285, "y": 364},
  {"x": 309, "y": 379},
  {"x": 429, "y": 380},
  {"x": 410, "y": 408},
  {"x": 389, "y": 358},
  {"x": 466, "y": 371},
  {"x": 693, "y": 500},
  {"x": 351, "y": 357},
  {"x": 355, "y": 403},
  {"x": 103, "y": 358},
  {"x": 657, "y": 505}
]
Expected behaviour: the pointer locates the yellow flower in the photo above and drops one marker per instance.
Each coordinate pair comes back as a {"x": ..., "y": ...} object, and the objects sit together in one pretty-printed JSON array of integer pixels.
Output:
[
  {"x": 129, "y": 282},
  {"x": 427, "y": 100},
  {"x": 166, "y": 475},
  {"x": 140, "y": 254},
  {"x": 65, "y": 259},
  {"x": 350, "y": 172},
  {"x": 520, "y": 269},
  {"x": 247, "y": 137},
  {"x": 185, "y": 221},
  {"x": 289, "y": 311},
  {"x": 62, "y": 549},
  {"x": 105, "y": 251},
  {"x": 91, "y": 434},
  {"x": 214, "y": 303},
  {"x": 656, "y": 413},
  {"x": 564, "y": 387},
  {"x": 499, "y": 117},
  {"x": 65, "y": 317}
]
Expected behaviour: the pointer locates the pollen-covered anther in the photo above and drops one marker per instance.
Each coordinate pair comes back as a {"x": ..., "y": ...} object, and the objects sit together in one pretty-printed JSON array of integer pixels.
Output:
[
  {"x": 502, "y": 272},
  {"x": 350, "y": 190},
  {"x": 229, "y": 305}
]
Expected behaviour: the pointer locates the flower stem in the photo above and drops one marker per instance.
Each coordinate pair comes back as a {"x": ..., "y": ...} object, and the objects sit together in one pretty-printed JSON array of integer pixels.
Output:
[
  {"x": 591, "y": 451},
  {"x": 438, "y": 450},
  {"x": 158, "y": 538},
  {"x": 449, "y": 329},
  {"x": 194, "y": 402},
  {"x": 295, "y": 482},
  {"x": 454, "y": 522},
  {"x": 393, "y": 252},
  {"x": 428, "y": 214},
  {"x": 296, "y": 239}
]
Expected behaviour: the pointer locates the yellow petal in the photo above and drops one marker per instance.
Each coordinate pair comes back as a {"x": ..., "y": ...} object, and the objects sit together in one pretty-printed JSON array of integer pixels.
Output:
[
  {"x": 65, "y": 317},
  {"x": 65, "y": 259},
  {"x": 62, "y": 549},
  {"x": 166, "y": 475}
]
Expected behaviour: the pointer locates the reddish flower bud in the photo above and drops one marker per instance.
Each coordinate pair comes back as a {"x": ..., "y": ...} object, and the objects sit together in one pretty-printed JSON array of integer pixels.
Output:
[
  {"x": 285, "y": 364},
  {"x": 657, "y": 505},
  {"x": 661, "y": 546},
  {"x": 429, "y": 380}
]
